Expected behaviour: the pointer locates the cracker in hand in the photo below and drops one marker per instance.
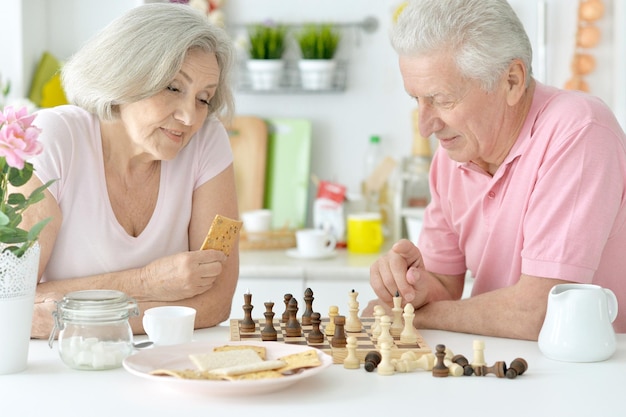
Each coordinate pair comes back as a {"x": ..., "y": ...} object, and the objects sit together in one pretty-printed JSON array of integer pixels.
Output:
[{"x": 222, "y": 234}]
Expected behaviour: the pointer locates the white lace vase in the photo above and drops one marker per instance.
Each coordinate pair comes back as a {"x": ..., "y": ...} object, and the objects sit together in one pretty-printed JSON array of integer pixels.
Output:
[{"x": 18, "y": 282}]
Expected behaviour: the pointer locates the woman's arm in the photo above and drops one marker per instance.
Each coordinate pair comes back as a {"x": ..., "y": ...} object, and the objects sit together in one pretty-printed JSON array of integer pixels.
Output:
[{"x": 184, "y": 278}]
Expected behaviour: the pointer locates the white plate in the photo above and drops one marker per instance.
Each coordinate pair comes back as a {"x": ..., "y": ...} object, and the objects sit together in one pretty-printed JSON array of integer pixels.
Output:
[
  {"x": 294, "y": 253},
  {"x": 177, "y": 357}
]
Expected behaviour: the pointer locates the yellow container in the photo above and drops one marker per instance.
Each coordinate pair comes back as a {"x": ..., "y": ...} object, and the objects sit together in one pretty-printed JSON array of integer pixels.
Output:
[{"x": 365, "y": 233}]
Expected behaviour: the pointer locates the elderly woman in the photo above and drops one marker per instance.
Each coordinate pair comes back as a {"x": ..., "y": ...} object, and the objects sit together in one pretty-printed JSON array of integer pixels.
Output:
[
  {"x": 528, "y": 183},
  {"x": 142, "y": 166}
]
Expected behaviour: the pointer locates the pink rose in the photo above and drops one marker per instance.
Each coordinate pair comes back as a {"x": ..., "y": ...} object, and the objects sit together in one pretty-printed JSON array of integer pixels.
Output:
[{"x": 18, "y": 137}]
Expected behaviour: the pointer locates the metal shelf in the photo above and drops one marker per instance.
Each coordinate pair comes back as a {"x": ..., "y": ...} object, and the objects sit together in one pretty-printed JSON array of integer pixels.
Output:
[{"x": 290, "y": 83}]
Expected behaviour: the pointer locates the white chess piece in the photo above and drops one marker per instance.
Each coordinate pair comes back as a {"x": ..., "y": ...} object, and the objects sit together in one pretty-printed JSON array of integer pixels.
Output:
[
  {"x": 351, "y": 361},
  {"x": 385, "y": 335},
  {"x": 479, "y": 353},
  {"x": 333, "y": 311},
  {"x": 409, "y": 332},
  {"x": 353, "y": 323},
  {"x": 379, "y": 311},
  {"x": 385, "y": 367},
  {"x": 396, "y": 324}
]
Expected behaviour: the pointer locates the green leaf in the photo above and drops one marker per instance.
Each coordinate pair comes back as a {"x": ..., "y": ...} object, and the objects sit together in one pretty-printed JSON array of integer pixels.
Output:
[
  {"x": 33, "y": 234},
  {"x": 4, "y": 219},
  {"x": 318, "y": 41},
  {"x": 19, "y": 177}
]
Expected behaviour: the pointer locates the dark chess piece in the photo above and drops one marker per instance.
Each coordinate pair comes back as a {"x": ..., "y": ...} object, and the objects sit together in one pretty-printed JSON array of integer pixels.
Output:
[
  {"x": 308, "y": 308},
  {"x": 316, "y": 337},
  {"x": 372, "y": 359},
  {"x": 517, "y": 367},
  {"x": 463, "y": 362},
  {"x": 339, "y": 338},
  {"x": 269, "y": 332},
  {"x": 247, "y": 325},
  {"x": 440, "y": 369},
  {"x": 285, "y": 316},
  {"x": 293, "y": 327}
]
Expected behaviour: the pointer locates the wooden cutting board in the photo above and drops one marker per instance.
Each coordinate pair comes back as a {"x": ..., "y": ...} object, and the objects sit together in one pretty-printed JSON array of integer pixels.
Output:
[{"x": 248, "y": 139}]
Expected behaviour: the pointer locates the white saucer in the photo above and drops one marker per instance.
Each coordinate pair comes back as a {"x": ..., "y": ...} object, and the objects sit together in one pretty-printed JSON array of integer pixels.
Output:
[{"x": 294, "y": 253}]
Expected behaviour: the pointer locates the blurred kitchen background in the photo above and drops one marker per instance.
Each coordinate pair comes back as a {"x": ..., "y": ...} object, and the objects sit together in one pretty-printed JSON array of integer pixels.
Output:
[{"x": 368, "y": 101}]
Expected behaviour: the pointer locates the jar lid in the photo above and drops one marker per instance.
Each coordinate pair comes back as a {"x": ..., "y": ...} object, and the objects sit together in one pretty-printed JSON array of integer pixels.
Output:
[{"x": 97, "y": 304}]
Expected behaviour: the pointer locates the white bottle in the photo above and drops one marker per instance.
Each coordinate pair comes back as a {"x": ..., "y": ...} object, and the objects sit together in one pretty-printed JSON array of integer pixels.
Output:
[{"x": 373, "y": 158}]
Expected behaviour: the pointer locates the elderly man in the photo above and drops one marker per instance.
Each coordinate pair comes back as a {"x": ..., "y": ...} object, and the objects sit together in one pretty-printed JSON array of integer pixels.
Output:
[{"x": 528, "y": 182}]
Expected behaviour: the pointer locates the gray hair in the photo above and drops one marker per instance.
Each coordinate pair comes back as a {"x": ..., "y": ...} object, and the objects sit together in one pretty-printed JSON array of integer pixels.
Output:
[
  {"x": 484, "y": 35},
  {"x": 138, "y": 54}
]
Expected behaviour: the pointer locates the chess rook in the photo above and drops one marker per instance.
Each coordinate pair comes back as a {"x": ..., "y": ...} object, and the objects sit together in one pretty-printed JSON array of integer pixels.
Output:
[{"x": 339, "y": 338}]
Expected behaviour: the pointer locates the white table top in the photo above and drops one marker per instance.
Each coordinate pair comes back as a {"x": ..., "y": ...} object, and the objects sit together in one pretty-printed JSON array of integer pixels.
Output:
[{"x": 49, "y": 388}]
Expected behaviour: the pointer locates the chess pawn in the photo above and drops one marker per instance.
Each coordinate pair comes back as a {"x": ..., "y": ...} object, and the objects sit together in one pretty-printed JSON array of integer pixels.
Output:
[
  {"x": 351, "y": 361},
  {"x": 517, "y": 367},
  {"x": 464, "y": 363},
  {"x": 440, "y": 369},
  {"x": 315, "y": 337},
  {"x": 285, "y": 316},
  {"x": 385, "y": 367},
  {"x": 409, "y": 333},
  {"x": 385, "y": 335},
  {"x": 454, "y": 369},
  {"x": 379, "y": 311},
  {"x": 293, "y": 327},
  {"x": 333, "y": 312},
  {"x": 372, "y": 359}
]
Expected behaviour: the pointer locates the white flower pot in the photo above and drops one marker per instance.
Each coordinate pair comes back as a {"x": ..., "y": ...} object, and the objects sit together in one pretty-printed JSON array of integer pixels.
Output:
[
  {"x": 18, "y": 283},
  {"x": 317, "y": 74},
  {"x": 265, "y": 74}
]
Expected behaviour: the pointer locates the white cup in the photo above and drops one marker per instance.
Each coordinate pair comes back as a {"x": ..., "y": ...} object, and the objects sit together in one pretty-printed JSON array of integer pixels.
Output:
[
  {"x": 257, "y": 221},
  {"x": 169, "y": 325},
  {"x": 315, "y": 242}
]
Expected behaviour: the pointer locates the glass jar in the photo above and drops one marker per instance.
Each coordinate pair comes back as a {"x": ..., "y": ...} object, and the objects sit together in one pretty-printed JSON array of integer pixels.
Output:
[{"x": 94, "y": 333}]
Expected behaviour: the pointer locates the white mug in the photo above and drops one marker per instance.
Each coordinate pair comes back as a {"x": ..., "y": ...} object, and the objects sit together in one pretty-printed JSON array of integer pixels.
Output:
[
  {"x": 169, "y": 325},
  {"x": 314, "y": 242},
  {"x": 257, "y": 222}
]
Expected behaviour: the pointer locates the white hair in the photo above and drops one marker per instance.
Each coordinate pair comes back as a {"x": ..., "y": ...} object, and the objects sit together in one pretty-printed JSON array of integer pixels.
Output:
[
  {"x": 484, "y": 36},
  {"x": 139, "y": 53}
]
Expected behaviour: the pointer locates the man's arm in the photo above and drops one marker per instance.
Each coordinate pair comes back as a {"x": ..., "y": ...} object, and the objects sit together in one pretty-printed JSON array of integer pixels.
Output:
[{"x": 515, "y": 312}]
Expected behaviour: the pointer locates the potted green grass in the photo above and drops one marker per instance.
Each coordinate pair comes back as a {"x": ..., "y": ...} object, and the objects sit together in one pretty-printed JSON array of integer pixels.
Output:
[
  {"x": 318, "y": 44},
  {"x": 267, "y": 42}
]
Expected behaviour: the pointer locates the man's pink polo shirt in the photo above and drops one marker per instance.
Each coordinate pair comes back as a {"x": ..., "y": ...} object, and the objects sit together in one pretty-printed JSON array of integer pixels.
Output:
[{"x": 555, "y": 208}]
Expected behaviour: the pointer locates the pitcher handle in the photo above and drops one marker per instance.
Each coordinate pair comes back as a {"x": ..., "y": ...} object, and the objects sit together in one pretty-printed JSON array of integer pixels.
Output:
[{"x": 611, "y": 304}]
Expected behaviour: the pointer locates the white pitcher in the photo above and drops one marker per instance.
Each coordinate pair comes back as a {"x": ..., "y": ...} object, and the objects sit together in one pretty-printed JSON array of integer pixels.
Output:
[{"x": 578, "y": 324}]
